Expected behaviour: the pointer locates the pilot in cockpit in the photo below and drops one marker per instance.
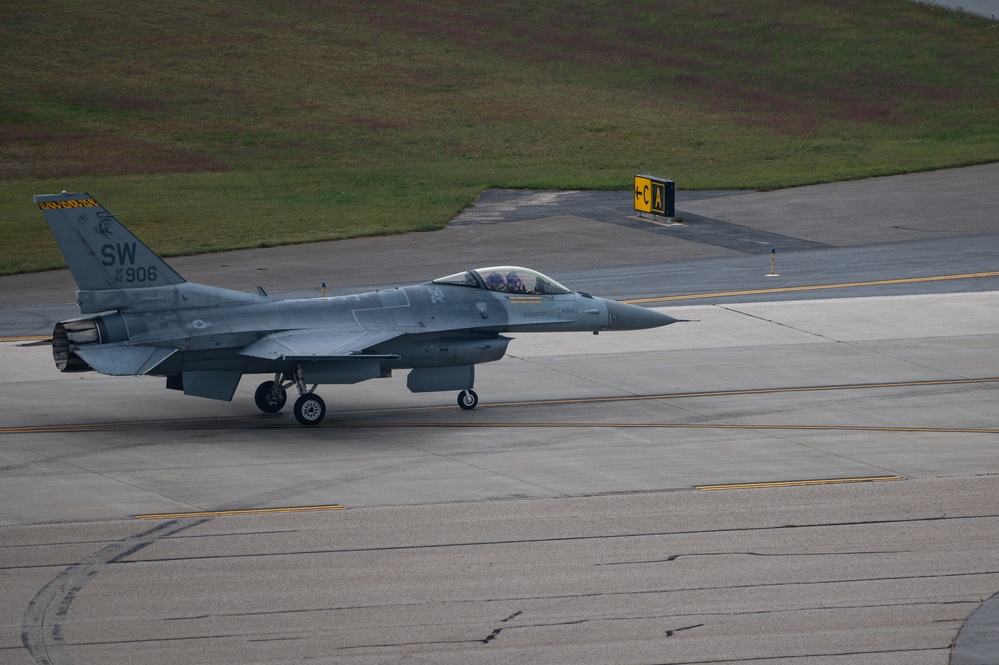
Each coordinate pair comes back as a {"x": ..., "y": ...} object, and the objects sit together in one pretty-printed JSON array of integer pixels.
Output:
[
  {"x": 495, "y": 281},
  {"x": 514, "y": 284}
]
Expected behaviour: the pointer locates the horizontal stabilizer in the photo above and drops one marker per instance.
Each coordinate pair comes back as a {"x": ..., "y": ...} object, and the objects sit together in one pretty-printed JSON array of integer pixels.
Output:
[
  {"x": 122, "y": 360},
  {"x": 316, "y": 343}
]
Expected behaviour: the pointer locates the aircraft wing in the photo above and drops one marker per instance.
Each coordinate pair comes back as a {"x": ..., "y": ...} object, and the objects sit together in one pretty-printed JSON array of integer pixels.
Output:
[{"x": 312, "y": 343}]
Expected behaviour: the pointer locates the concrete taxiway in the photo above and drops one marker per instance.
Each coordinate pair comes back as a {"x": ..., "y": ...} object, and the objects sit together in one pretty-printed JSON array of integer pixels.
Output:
[{"x": 586, "y": 511}]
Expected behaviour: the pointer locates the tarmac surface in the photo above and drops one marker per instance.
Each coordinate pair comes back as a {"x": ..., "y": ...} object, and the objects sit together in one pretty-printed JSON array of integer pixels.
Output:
[
  {"x": 804, "y": 471},
  {"x": 986, "y": 8}
]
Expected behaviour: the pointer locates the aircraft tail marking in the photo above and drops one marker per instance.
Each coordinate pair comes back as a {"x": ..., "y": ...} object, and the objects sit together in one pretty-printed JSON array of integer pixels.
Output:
[{"x": 101, "y": 253}]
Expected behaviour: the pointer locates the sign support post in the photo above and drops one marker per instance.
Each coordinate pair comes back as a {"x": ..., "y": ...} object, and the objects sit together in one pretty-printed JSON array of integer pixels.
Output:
[{"x": 773, "y": 263}]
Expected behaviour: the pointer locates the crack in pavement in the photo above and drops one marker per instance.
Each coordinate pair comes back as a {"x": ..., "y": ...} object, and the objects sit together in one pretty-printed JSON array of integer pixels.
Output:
[{"x": 674, "y": 557}]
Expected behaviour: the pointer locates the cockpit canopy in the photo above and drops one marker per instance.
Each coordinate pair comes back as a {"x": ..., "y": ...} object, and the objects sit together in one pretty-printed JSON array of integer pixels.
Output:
[{"x": 505, "y": 279}]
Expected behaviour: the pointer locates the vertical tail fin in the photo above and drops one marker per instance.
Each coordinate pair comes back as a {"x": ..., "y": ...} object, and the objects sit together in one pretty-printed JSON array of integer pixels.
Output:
[{"x": 102, "y": 254}]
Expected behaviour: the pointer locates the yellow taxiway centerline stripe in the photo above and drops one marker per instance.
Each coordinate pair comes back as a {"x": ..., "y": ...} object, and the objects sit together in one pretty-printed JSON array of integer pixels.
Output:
[
  {"x": 129, "y": 425},
  {"x": 718, "y": 294},
  {"x": 707, "y": 393},
  {"x": 497, "y": 425},
  {"x": 752, "y": 391},
  {"x": 248, "y": 511},
  {"x": 722, "y": 426},
  {"x": 816, "y": 287},
  {"x": 272, "y": 421},
  {"x": 798, "y": 483}
]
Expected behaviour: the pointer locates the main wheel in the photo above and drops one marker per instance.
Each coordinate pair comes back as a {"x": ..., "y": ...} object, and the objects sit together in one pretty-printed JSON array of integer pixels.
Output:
[
  {"x": 310, "y": 409},
  {"x": 269, "y": 399},
  {"x": 467, "y": 399}
]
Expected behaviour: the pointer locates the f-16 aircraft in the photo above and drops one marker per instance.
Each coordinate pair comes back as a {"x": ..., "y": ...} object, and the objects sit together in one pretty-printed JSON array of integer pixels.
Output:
[{"x": 146, "y": 319}]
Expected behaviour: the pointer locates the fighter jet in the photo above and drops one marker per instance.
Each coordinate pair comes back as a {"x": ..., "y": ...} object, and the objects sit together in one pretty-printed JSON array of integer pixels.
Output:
[{"x": 145, "y": 319}]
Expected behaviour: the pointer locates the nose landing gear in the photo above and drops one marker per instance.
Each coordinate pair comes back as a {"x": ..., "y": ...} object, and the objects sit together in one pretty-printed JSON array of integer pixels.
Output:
[{"x": 467, "y": 399}]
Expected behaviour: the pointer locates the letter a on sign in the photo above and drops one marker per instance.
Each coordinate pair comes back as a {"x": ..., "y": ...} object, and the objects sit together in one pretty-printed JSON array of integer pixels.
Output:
[{"x": 658, "y": 196}]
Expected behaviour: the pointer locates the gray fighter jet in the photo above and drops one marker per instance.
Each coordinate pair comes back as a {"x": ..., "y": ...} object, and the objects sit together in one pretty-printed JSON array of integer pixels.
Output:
[{"x": 146, "y": 319}]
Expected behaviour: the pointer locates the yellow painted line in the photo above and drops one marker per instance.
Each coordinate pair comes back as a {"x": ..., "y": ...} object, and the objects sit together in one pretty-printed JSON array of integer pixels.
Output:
[
  {"x": 722, "y": 294},
  {"x": 275, "y": 421},
  {"x": 272, "y": 420},
  {"x": 26, "y": 338},
  {"x": 799, "y": 483},
  {"x": 816, "y": 287},
  {"x": 129, "y": 425},
  {"x": 751, "y": 391},
  {"x": 719, "y": 294},
  {"x": 250, "y": 424},
  {"x": 664, "y": 396},
  {"x": 715, "y": 426},
  {"x": 707, "y": 393},
  {"x": 225, "y": 513}
]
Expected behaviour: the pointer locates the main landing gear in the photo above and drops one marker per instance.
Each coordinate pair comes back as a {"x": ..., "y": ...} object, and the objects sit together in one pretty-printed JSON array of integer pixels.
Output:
[
  {"x": 271, "y": 396},
  {"x": 310, "y": 409}
]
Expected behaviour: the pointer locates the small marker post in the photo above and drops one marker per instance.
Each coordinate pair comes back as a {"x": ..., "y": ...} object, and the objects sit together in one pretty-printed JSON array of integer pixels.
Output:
[
  {"x": 324, "y": 289},
  {"x": 773, "y": 263}
]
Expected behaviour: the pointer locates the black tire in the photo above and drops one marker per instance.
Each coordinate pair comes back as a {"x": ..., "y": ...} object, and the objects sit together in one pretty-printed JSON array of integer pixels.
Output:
[
  {"x": 266, "y": 400},
  {"x": 468, "y": 400},
  {"x": 310, "y": 409}
]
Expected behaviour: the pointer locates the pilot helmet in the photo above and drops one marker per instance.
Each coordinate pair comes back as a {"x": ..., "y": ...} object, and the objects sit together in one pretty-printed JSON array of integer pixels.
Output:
[
  {"x": 514, "y": 282},
  {"x": 494, "y": 281}
]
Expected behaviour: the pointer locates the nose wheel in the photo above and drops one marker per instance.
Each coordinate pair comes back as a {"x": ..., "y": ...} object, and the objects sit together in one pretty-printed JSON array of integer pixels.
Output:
[{"x": 468, "y": 400}]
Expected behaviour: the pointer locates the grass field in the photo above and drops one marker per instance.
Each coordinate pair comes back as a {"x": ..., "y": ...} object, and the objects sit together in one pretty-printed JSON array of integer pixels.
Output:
[{"x": 209, "y": 125}]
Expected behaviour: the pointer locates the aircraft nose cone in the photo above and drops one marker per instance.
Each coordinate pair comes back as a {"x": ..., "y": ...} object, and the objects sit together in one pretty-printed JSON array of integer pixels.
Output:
[{"x": 622, "y": 316}]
